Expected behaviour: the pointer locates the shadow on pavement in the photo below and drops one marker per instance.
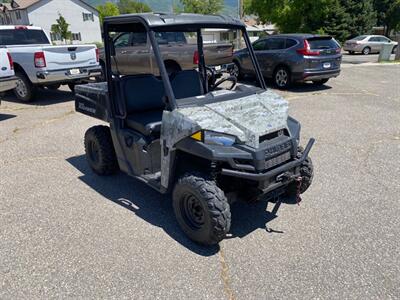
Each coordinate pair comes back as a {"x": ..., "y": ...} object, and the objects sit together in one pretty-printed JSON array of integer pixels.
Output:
[
  {"x": 43, "y": 97},
  {"x": 141, "y": 200},
  {"x": 156, "y": 208},
  {"x": 4, "y": 117}
]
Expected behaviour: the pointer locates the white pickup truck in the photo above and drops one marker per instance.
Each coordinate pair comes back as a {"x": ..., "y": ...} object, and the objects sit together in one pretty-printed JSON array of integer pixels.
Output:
[
  {"x": 7, "y": 79},
  {"x": 37, "y": 63}
]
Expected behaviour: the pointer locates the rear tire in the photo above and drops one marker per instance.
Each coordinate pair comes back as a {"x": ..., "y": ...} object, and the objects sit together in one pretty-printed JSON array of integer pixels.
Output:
[
  {"x": 201, "y": 209},
  {"x": 25, "y": 90},
  {"x": 366, "y": 51},
  {"x": 394, "y": 50},
  {"x": 282, "y": 77},
  {"x": 99, "y": 150},
  {"x": 320, "y": 82},
  {"x": 351, "y": 52}
]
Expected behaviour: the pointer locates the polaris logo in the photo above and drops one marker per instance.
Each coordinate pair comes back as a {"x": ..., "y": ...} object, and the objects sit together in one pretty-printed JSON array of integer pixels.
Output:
[
  {"x": 73, "y": 56},
  {"x": 278, "y": 148},
  {"x": 83, "y": 107}
]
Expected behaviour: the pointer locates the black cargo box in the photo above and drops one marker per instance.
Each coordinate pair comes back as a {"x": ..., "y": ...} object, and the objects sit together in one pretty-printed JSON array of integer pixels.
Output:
[{"x": 92, "y": 100}]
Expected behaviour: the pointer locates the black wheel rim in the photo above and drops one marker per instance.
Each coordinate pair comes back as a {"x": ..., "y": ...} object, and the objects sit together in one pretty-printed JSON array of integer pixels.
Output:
[
  {"x": 192, "y": 211},
  {"x": 94, "y": 152}
]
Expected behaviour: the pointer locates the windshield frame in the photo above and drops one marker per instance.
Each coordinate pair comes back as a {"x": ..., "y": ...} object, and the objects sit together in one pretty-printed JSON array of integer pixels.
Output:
[{"x": 171, "y": 100}]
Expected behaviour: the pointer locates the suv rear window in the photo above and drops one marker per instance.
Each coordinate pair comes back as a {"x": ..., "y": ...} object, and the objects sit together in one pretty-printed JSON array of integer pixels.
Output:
[
  {"x": 22, "y": 37},
  {"x": 316, "y": 43}
]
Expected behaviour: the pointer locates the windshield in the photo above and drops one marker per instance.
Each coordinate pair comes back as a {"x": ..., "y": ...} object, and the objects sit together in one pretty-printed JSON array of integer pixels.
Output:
[
  {"x": 359, "y": 38},
  {"x": 22, "y": 37}
]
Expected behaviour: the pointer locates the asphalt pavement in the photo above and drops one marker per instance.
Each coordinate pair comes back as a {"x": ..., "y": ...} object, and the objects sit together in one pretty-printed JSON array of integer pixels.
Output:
[{"x": 67, "y": 233}]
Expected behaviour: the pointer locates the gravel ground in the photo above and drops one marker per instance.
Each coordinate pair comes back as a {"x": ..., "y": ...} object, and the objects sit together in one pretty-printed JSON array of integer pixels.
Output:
[{"x": 66, "y": 233}]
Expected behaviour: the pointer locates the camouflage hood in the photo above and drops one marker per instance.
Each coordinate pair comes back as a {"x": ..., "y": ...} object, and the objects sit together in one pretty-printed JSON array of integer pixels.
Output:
[{"x": 248, "y": 118}]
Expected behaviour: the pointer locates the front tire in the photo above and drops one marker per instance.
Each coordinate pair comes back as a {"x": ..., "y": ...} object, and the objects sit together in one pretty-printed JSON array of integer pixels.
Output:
[
  {"x": 306, "y": 171},
  {"x": 99, "y": 150},
  {"x": 237, "y": 70},
  {"x": 282, "y": 78},
  {"x": 366, "y": 51},
  {"x": 201, "y": 209},
  {"x": 25, "y": 91}
]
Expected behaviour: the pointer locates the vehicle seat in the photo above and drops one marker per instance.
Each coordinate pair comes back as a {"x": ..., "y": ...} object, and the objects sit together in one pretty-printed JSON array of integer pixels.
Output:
[
  {"x": 187, "y": 84},
  {"x": 144, "y": 103}
]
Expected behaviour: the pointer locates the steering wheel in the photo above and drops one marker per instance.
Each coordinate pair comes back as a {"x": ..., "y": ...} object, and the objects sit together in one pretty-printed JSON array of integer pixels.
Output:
[
  {"x": 211, "y": 78},
  {"x": 231, "y": 78}
]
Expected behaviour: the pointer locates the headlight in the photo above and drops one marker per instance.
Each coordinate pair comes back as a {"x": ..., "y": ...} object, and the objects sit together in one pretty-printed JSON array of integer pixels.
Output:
[{"x": 214, "y": 138}]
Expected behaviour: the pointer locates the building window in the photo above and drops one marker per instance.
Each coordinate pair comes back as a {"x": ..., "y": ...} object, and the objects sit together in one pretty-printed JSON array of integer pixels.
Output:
[
  {"x": 76, "y": 36},
  {"x": 18, "y": 14},
  {"x": 88, "y": 17},
  {"x": 55, "y": 37},
  {"x": 224, "y": 36}
]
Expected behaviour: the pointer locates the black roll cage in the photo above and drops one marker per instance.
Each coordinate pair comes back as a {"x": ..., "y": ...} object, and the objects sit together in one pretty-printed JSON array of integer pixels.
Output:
[{"x": 150, "y": 30}]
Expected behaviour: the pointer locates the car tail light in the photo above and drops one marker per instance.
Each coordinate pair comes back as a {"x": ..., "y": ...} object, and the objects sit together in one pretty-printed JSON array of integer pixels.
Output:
[
  {"x": 97, "y": 55},
  {"x": 339, "y": 50},
  {"x": 307, "y": 51},
  {"x": 20, "y": 27},
  {"x": 40, "y": 60},
  {"x": 196, "y": 58},
  {"x": 10, "y": 60}
]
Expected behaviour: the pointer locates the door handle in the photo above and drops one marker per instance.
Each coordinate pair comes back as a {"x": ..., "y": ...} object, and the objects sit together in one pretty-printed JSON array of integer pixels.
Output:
[
  {"x": 124, "y": 52},
  {"x": 142, "y": 52}
]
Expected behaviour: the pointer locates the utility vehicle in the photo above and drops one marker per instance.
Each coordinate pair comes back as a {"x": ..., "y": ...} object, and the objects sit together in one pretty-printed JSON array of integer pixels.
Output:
[{"x": 208, "y": 142}]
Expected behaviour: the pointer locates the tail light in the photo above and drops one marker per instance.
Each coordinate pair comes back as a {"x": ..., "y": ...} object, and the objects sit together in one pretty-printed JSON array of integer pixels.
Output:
[
  {"x": 97, "y": 55},
  {"x": 10, "y": 60},
  {"x": 40, "y": 60},
  {"x": 307, "y": 51},
  {"x": 196, "y": 58},
  {"x": 20, "y": 27},
  {"x": 339, "y": 50}
]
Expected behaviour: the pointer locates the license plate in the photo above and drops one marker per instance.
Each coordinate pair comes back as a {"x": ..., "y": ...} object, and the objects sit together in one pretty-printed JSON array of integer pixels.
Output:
[
  {"x": 217, "y": 68},
  {"x": 75, "y": 71},
  {"x": 327, "y": 65}
]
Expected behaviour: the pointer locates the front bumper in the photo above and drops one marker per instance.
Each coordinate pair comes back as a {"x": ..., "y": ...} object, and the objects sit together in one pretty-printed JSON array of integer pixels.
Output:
[
  {"x": 8, "y": 83},
  {"x": 65, "y": 75},
  {"x": 277, "y": 177}
]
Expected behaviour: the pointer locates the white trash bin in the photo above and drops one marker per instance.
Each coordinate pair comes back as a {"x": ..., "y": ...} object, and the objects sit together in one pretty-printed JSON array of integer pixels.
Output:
[{"x": 385, "y": 53}]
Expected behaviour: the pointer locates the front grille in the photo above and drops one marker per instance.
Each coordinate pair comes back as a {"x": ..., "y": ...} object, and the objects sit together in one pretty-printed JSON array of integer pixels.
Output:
[{"x": 280, "y": 159}]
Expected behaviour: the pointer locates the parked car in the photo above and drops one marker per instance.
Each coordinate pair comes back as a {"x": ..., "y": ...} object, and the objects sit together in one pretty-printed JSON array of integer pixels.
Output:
[
  {"x": 38, "y": 63},
  {"x": 133, "y": 55},
  {"x": 367, "y": 44},
  {"x": 292, "y": 58},
  {"x": 7, "y": 79}
]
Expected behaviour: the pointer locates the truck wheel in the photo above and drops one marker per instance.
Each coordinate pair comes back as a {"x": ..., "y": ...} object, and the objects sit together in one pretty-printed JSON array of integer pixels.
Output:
[
  {"x": 99, "y": 150},
  {"x": 237, "y": 71},
  {"x": 53, "y": 87},
  {"x": 306, "y": 171},
  {"x": 201, "y": 209},
  {"x": 25, "y": 91},
  {"x": 72, "y": 87},
  {"x": 394, "y": 50}
]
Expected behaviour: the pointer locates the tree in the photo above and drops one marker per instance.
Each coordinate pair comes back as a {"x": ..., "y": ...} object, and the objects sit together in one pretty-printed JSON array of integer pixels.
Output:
[
  {"x": 108, "y": 9},
  {"x": 336, "y": 21},
  {"x": 205, "y": 7},
  {"x": 388, "y": 14},
  {"x": 292, "y": 15},
  {"x": 362, "y": 16},
  {"x": 61, "y": 28},
  {"x": 131, "y": 7}
]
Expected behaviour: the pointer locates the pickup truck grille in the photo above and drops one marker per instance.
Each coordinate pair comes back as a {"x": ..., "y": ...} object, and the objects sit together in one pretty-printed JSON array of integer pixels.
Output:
[{"x": 270, "y": 163}]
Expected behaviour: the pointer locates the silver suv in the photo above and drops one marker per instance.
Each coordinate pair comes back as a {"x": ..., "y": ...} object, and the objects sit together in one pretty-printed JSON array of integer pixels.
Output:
[{"x": 367, "y": 44}]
